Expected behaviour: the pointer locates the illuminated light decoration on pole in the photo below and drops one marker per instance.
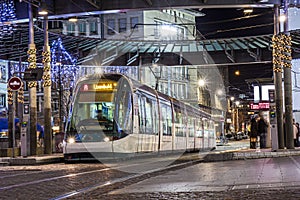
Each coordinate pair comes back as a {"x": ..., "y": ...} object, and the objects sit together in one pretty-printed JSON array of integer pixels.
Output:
[
  {"x": 47, "y": 67},
  {"x": 276, "y": 53},
  {"x": 63, "y": 69},
  {"x": 21, "y": 95},
  {"x": 9, "y": 96},
  {"x": 32, "y": 63},
  {"x": 7, "y": 15},
  {"x": 286, "y": 43}
]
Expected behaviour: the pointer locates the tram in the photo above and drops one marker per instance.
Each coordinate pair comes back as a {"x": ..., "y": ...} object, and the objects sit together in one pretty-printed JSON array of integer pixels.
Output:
[{"x": 134, "y": 119}]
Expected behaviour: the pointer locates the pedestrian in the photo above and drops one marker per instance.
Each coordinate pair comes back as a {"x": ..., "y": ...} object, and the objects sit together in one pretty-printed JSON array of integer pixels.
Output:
[
  {"x": 18, "y": 134},
  {"x": 254, "y": 131},
  {"x": 40, "y": 134},
  {"x": 298, "y": 136},
  {"x": 296, "y": 133},
  {"x": 262, "y": 130}
]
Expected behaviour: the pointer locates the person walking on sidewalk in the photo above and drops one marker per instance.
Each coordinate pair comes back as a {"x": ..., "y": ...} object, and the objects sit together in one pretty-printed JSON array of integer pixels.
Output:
[
  {"x": 254, "y": 131},
  {"x": 262, "y": 130},
  {"x": 296, "y": 134}
]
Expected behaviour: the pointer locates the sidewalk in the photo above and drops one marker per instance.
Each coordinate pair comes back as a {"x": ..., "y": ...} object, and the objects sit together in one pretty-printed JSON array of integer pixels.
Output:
[
  {"x": 32, "y": 160},
  {"x": 237, "y": 150},
  {"x": 233, "y": 150}
]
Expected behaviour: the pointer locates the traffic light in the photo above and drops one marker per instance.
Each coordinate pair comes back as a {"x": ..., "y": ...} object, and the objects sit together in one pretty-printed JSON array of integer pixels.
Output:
[{"x": 26, "y": 109}]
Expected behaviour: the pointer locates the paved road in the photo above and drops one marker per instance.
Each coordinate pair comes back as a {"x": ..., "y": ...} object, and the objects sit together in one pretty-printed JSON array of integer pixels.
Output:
[
  {"x": 268, "y": 178},
  {"x": 265, "y": 178}
]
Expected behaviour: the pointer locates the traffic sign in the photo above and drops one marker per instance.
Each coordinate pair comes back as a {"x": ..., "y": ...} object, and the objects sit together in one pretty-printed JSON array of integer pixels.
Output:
[{"x": 15, "y": 83}]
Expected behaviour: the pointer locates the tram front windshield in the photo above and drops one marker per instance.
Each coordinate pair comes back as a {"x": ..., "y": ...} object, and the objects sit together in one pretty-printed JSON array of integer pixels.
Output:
[{"x": 93, "y": 114}]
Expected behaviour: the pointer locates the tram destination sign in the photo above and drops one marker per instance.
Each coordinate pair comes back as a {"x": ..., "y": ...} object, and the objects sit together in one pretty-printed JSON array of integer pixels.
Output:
[{"x": 15, "y": 83}]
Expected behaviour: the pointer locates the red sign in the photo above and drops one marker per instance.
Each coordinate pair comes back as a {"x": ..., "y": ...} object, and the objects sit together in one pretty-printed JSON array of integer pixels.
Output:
[
  {"x": 15, "y": 83},
  {"x": 260, "y": 106}
]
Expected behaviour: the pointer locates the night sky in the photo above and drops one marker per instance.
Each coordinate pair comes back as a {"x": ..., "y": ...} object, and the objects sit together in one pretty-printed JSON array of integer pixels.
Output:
[{"x": 231, "y": 22}]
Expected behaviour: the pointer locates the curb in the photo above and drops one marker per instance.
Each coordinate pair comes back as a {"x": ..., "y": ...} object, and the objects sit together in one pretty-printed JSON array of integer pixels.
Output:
[
  {"x": 31, "y": 161},
  {"x": 226, "y": 156}
]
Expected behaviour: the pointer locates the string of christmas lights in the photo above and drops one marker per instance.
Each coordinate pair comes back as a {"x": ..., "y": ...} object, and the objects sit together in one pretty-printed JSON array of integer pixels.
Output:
[
  {"x": 64, "y": 67},
  {"x": 7, "y": 16}
]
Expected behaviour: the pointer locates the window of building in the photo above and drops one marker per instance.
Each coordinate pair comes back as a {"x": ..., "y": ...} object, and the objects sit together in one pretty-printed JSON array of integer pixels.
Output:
[
  {"x": 55, "y": 25},
  {"x": 133, "y": 22},
  {"x": 71, "y": 28},
  {"x": 93, "y": 28},
  {"x": 122, "y": 25},
  {"x": 2, "y": 100},
  {"x": 82, "y": 28},
  {"x": 111, "y": 26},
  {"x": 3, "y": 73}
]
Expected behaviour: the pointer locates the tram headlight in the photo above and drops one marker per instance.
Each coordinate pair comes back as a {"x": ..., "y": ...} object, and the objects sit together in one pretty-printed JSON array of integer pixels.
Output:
[{"x": 71, "y": 140}]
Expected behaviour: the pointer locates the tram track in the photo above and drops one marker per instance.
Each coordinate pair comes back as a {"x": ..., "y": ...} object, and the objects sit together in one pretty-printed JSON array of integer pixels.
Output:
[
  {"x": 78, "y": 183},
  {"x": 124, "y": 181},
  {"x": 50, "y": 179}
]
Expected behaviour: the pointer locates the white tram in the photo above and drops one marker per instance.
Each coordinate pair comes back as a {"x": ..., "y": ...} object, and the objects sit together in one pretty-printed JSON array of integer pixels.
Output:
[{"x": 136, "y": 119}]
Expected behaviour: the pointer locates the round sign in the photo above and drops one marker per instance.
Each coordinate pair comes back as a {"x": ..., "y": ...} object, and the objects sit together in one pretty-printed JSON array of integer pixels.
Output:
[{"x": 15, "y": 83}]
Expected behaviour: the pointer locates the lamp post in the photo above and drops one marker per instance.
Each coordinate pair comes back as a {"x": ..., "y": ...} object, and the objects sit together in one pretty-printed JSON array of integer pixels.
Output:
[
  {"x": 232, "y": 109},
  {"x": 237, "y": 103},
  {"x": 277, "y": 70},
  {"x": 61, "y": 125}
]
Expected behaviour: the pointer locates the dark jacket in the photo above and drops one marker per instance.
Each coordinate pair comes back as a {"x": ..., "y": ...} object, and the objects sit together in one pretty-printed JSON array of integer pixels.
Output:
[
  {"x": 254, "y": 128},
  {"x": 262, "y": 126}
]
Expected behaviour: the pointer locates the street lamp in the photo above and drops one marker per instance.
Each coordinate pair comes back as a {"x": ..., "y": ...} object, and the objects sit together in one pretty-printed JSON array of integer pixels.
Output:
[
  {"x": 201, "y": 83},
  {"x": 32, "y": 85}
]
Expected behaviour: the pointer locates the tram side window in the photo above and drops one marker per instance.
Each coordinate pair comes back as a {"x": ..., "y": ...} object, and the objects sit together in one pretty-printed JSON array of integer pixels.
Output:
[
  {"x": 206, "y": 128},
  {"x": 148, "y": 115},
  {"x": 199, "y": 131},
  {"x": 211, "y": 128},
  {"x": 178, "y": 122},
  {"x": 141, "y": 114},
  {"x": 191, "y": 126},
  {"x": 166, "y": 113},
  {"x": 154, "y": 114}
]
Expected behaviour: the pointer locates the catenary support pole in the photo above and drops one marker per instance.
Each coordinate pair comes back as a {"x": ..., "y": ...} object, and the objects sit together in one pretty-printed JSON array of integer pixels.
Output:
[
  {"x": 47, "y": 90},
  {"x": 32, "y": 85},
  {"x": 287, "y": 67},
  {"x": 278, "y": 79}
]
